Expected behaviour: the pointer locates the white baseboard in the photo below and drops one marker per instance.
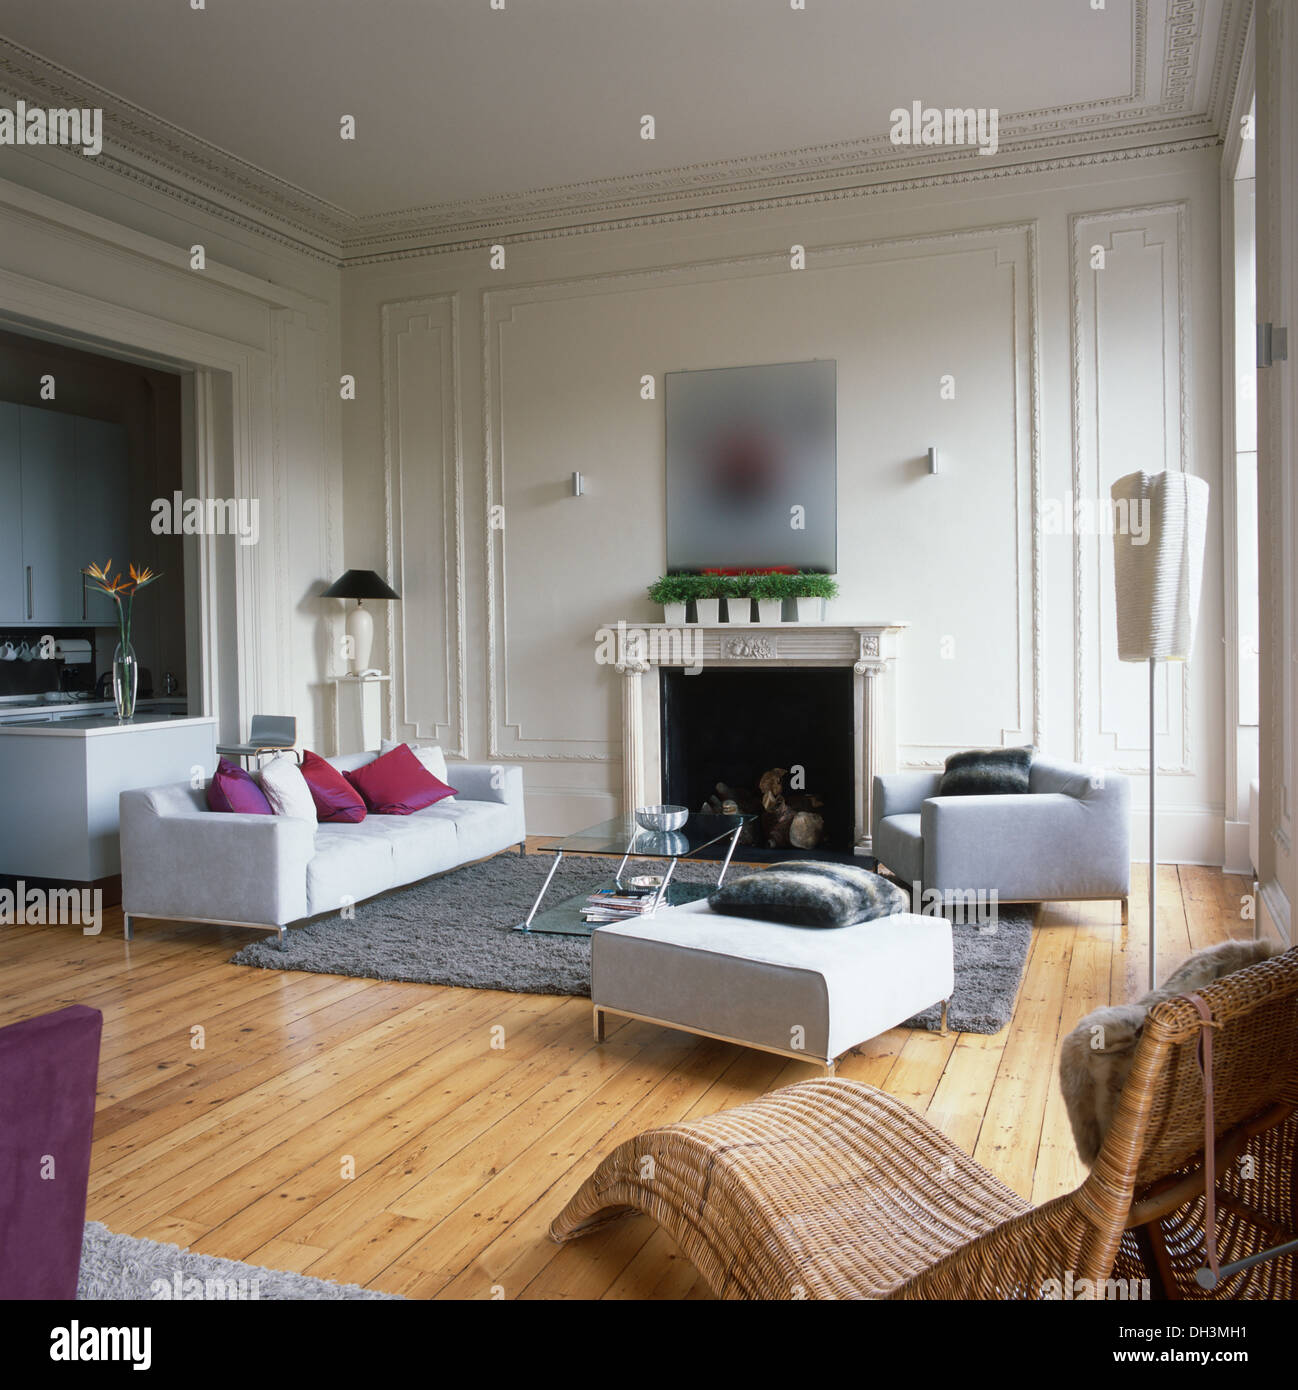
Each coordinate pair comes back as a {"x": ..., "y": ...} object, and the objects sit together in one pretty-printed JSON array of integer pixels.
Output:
[
  {"x": 1237, "y": 859},
  {"x": 1186, "y": 835},
  {"x": 563, "y": 810},
  {"x": 1273, "y": 913}
]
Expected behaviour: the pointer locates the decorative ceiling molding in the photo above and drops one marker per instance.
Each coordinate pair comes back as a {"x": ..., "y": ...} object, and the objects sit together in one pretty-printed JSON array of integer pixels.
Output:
[{"x": 148, "y": 150}]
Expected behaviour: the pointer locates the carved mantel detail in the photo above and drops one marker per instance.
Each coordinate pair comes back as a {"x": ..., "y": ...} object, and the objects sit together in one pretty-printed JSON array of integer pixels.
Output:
[
  {"x": 869, "y": 649},
  {"x": 761, "y": 648}
]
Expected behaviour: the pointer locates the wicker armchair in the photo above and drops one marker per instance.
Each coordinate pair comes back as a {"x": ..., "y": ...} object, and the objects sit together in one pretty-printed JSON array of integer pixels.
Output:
[{"x": 832, "y": 1189}]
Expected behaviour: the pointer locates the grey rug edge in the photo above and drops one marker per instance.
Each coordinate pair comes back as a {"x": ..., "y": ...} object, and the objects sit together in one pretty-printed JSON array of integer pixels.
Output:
[{"x": 141, "y": 1263}]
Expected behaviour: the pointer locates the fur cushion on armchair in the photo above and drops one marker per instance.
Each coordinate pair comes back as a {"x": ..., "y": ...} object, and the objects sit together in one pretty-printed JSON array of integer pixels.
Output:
[{"x": 1097, "y": 1055}]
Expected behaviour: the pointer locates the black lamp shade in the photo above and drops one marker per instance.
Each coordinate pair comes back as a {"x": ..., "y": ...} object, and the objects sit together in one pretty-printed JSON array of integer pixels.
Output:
[{"x": 360, "y": 584}]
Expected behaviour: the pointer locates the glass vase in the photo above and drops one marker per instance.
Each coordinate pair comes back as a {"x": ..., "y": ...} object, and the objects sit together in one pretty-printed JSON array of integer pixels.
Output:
[{"x": 126, "y": 678}]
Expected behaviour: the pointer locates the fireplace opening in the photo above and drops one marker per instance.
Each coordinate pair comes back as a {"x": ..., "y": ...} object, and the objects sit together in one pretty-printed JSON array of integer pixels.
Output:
[{"x": 731, "y": 729}]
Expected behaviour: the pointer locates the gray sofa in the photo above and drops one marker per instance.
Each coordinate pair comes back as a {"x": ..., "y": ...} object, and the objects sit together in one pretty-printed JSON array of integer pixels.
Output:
[
  {"x": 182, "y": 862},
  {"x": 1064, "y": 838}
]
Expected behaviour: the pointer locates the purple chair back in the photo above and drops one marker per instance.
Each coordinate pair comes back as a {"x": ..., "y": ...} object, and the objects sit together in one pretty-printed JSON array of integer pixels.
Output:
[{"x": 48, "y": 1069}]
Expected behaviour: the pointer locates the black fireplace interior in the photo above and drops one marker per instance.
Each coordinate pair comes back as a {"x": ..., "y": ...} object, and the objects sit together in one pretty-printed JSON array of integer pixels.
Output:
[{"x": 731, "y": 726}]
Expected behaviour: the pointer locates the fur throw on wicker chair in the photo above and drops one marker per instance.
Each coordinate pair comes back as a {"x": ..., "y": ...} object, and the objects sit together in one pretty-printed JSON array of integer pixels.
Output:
[{"x": 1097, "y": 1054}]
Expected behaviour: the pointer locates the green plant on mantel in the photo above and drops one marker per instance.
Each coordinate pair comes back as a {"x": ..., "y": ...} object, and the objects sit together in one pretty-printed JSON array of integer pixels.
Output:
[
  {"x": 682, "y": 588},
  {"x": 766, "y": 587},
  {"x": 740, "y": 585},
  {"x": 673, "y": 588},
  {"x": 813, "y": 585},
  {"x": 712, "y": 585}
]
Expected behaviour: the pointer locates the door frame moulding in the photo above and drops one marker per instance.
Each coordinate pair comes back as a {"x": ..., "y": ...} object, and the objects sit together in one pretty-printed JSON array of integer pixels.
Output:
[
  {"x": 1244, "y": 96},
  {"x": 90, "y": 323}
]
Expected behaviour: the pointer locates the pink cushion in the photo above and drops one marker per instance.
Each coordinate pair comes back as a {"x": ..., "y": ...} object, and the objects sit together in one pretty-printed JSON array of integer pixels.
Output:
[
  {"x": 335, "y": 799},
  {"x": 398, "y": 784},
  {"x": 233, "y": 789}
]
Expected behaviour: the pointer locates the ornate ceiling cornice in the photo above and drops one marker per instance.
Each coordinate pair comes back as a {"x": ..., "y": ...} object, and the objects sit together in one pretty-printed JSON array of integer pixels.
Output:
[{"x": 144, "y": 148}]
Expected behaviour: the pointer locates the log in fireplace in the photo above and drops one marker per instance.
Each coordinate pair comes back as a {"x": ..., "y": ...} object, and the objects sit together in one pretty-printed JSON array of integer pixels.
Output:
[{"x": 728, "y": 734}]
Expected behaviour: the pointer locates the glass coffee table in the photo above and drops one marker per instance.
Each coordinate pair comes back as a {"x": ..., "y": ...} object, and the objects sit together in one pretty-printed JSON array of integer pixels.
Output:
[{"x": 623, "y": 839}]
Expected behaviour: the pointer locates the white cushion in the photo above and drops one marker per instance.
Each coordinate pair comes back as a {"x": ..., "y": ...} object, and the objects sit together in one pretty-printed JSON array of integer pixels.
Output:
[
  {"x": 429, "y": 754},
  {"x": 286, "y": 789}
]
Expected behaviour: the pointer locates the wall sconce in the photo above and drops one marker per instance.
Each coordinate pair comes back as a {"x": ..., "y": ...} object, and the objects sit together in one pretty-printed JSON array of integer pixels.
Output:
[
  {"x": 932, "y": 460},
  {"x": 578, "y": 485}
]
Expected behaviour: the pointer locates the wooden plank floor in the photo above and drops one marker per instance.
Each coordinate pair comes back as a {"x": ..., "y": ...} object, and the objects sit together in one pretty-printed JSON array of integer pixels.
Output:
[{"x": 381, "y": 1134}]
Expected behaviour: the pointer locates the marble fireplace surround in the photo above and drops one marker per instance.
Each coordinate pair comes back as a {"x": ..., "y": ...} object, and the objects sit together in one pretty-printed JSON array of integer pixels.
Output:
[{"x": 870, "y": 649}]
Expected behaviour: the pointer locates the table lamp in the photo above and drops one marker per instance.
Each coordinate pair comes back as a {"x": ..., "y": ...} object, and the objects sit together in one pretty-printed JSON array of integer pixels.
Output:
[{"x": 360, "y": 585}]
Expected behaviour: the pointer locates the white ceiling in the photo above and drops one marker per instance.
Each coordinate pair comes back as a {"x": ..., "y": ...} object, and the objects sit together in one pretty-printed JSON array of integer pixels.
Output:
[{"x": 461, "y": 108}]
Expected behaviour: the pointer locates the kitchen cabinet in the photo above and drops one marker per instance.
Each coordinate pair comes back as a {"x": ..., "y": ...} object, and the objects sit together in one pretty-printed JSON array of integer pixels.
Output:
[
  {"x": 13, "y": 597},
  {"x": 49, "y": 491},
  {"x": 101, "y": 508},
  {"x": 64, "y": 489}
]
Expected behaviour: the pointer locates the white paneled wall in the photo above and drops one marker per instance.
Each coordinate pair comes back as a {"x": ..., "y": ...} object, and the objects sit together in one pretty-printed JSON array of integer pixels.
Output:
[{"x": 495, "y": 386}]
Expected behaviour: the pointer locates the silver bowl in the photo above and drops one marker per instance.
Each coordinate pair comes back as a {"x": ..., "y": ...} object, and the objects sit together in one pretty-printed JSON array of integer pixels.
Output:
[{"x": 661, "y": 817}]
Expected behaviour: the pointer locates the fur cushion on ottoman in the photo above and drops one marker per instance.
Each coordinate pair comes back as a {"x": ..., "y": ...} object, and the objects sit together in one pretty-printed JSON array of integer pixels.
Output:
[
  {"x": 810, "y": 893},
  {"x": 1096, "y": 1056}
]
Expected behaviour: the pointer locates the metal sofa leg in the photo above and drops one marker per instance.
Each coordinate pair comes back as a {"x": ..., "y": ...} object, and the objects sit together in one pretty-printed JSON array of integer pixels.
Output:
[
  {"x": 522, "y": 849},
  {"x": 1126, "y": 912},
  {"x": 283, "y": 938},
  {"x": 128, "y": 927}
]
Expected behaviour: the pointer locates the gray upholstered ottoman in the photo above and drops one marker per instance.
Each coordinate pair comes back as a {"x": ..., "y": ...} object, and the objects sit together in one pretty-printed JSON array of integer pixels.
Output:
[{"x": 800, "y": 991}]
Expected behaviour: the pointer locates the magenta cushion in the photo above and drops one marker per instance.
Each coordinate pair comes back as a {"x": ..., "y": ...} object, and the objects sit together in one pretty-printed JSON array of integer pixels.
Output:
[
  {"x": 233, "y": 789},
  {"x": 398, "y": 784},
  {"x": 336, "y": 800}
]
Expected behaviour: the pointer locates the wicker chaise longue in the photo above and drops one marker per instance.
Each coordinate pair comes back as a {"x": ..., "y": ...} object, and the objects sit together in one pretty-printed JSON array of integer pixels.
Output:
[{"x": 832, "y": 1189}]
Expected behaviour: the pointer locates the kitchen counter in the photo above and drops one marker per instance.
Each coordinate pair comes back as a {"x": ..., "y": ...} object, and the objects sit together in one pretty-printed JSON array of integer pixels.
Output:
[
  {"x": 66, "y": 774},
  {"x": 47, "y": 724},
  {"x": 20, "y": 706}
]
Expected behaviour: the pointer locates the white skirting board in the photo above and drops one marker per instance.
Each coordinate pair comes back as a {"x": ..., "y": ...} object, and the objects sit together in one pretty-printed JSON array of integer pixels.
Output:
[
  {"x": 1237, "y": 858},
  {"x": 1186, "y": 835}
]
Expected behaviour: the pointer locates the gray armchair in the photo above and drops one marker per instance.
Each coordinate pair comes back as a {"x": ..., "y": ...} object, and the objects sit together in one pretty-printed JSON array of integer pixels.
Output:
[{"x": 1064, "y": 838}]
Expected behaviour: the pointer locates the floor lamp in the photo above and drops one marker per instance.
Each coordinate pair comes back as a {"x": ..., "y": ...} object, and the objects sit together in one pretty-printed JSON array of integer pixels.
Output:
[{"x": 1160, "y": 523}]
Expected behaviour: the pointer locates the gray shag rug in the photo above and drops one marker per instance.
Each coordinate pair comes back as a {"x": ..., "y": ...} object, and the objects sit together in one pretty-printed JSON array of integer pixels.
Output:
[
  {"x": 989, "y": 963},
  {"x": 458, "y": 929},
  {"x": 136, "y": 1270}
]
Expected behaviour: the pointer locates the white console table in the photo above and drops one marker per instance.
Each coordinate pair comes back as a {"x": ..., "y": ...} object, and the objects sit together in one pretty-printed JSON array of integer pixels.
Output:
[{"x": 358, "y": 713}]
